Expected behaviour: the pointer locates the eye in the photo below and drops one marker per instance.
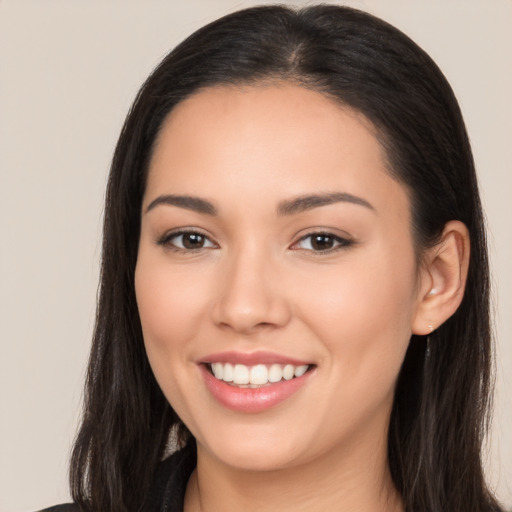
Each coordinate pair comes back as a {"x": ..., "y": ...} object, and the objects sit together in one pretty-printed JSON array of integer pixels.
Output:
[
  {"x": 186, "y": 241},
  {"x": 321, "y": 242}
]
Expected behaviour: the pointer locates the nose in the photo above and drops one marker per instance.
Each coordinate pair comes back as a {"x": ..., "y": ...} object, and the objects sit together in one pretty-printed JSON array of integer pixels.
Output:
[{"x": 250, "y": 297}]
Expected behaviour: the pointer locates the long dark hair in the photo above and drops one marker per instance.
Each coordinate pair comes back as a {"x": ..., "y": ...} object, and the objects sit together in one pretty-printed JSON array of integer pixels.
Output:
[{"x": 440, "y": 411}]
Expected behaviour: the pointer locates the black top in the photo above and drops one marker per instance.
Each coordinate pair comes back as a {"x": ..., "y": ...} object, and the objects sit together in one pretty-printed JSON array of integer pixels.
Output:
[{"x": 168, "y": 490}]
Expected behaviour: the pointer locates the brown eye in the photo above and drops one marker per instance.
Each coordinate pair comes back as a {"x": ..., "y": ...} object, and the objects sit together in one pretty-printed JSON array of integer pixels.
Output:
[
  {"x": 193, "y": 240},
  {"x": 186, "y": 241},
  {"x": 322, "y": 242}
]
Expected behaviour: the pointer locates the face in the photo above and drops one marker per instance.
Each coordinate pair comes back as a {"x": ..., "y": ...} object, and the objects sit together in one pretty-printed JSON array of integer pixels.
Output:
[{"x": 276, "y": 278}]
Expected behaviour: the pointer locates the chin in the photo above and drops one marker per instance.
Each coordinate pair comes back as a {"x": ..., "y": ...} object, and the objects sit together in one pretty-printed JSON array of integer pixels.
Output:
[
  {"x": 255, "y": 449},
  {"x": 256, "y": 460}
]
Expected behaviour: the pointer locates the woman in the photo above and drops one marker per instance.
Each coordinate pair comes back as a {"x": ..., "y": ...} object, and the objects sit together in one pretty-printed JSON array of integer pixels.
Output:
[{"x": 294, "y": 284}]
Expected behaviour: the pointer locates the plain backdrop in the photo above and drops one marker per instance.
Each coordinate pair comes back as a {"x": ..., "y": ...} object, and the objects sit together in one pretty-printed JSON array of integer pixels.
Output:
[{"x": 68, "y": 73}]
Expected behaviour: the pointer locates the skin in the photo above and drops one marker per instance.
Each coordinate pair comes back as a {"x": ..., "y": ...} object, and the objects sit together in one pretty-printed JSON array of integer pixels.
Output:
[{"x": 258, "y": 284}]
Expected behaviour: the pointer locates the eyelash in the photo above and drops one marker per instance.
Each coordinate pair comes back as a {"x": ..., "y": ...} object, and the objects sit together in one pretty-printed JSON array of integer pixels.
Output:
[
  {"x": 342, "y": 243},
  {"x": 167, "y": 241}
]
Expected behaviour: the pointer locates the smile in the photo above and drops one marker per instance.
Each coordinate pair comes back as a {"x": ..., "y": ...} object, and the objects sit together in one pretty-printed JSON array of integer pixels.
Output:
[
  {"x": 256, "y": 375},
  {"x": 256, "y": 382}
]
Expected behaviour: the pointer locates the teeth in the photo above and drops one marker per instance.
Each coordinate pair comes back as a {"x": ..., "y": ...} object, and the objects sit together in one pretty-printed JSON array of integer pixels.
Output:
[
  {"x": 275, "y": 373},
  {"x": 227, "y": 372},
  {"x": 258, "y": 375},
  {"x": 240, "y": 374},
  {"x": 288, "y": 372},
  {"x": 299, "y": 370},
  {"x": 217, "y": 369}
]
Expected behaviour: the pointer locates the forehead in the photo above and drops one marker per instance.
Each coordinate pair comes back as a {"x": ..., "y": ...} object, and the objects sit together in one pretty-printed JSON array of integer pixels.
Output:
[
  {"x": 277, "y": 114},
  {"x": 270, "y": 141}
]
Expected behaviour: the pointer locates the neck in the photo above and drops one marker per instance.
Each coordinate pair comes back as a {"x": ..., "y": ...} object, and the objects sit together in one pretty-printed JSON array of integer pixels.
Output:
[{"x": 337, "y": 481}]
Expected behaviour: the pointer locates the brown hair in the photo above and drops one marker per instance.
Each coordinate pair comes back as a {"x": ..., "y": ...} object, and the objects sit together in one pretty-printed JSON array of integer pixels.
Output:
[{"x": 440, "y": 409}]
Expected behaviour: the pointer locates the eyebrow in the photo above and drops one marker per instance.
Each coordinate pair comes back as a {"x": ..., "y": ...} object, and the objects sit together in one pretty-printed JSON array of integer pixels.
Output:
[
  {"x": 308, "y": 202},
  {"x": 288, "y": 207},
  {"x": 193, "y": 203}
]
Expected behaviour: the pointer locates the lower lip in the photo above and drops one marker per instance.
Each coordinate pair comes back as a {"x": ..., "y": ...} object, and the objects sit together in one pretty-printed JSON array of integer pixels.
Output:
[{"x": 252, "y": 400}]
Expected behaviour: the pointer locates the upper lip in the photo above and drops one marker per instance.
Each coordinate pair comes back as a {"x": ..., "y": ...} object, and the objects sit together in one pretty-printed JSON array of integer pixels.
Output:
[{"x": 251, "y": 358}]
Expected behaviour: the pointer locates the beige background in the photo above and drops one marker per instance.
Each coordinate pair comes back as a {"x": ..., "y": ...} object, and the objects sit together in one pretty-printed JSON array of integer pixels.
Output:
[{"x": 68, "y": 73}]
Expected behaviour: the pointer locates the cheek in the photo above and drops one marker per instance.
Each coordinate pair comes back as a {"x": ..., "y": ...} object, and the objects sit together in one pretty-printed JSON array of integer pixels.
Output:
[
  {"x": 363, "y": 318},
  {"x": 170, "y": 305},
  {"x": 363, "y": 313}
]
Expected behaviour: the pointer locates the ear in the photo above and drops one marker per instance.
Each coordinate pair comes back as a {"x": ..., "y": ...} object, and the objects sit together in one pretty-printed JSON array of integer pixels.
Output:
[{"x": 443, "y": 279}]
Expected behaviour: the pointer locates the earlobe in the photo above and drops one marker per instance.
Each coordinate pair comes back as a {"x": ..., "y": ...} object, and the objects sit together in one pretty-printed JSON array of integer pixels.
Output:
[{"x": 444, "y": 277}]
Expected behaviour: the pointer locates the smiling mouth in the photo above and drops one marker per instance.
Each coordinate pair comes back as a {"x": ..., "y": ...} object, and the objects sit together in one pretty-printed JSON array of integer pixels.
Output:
[{"x": 256, "y": 376}]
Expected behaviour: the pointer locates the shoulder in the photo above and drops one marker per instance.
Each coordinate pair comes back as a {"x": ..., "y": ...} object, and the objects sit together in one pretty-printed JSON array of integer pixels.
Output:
[
  {"x": 68, "y": 507},
  {"x": 169, "y": 484}
]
